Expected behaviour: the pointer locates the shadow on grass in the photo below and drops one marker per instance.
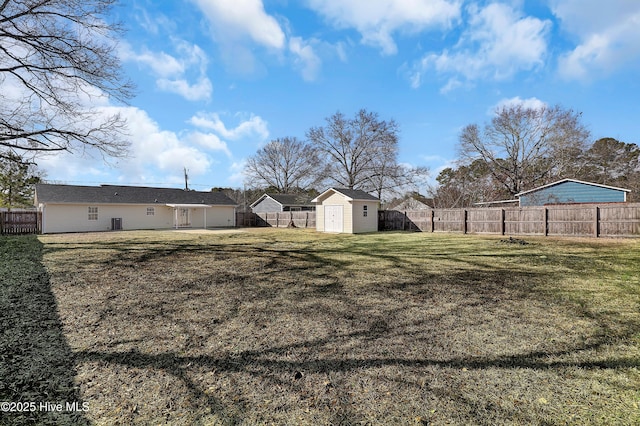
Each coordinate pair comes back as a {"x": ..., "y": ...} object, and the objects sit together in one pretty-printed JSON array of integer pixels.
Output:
[
  {"x": 271, "y": 366},
  {"x": 312, "y": 283},
  {"x": 37, "y": 368}
]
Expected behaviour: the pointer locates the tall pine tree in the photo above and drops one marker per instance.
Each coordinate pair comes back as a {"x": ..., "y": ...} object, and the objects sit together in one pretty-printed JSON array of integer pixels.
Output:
[{"x": 17, "y": 181}]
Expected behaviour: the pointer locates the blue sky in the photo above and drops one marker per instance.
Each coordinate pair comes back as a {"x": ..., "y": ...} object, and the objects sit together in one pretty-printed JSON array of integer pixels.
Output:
[{"x": 218, "y": 79}]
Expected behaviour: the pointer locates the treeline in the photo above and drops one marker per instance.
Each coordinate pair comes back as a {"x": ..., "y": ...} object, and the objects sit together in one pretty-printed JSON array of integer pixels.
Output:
[
  {"x": 607, "y": 161},
  {"x": 524, "y": 148}
]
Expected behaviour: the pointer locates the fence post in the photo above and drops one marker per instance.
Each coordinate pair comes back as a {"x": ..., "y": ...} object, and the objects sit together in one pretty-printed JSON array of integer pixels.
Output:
[
  {"x": 433, "y": 225},
  {"x": 503, "y": 226},
  {"x": 546, "y": 221},
  {"x": 464, "y": 228},
  {"x": 596, "y": 220}
]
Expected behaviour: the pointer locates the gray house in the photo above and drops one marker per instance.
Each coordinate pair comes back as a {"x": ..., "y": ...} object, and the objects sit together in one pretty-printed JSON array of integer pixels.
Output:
[
  {"x": 269, "y": 203},
  {"x": 412, "y": 202},
  {"x": 569, "y": 191}
]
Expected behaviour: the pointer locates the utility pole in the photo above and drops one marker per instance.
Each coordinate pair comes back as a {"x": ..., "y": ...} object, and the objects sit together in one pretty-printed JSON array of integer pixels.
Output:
[{"x": 186, "y": 180}]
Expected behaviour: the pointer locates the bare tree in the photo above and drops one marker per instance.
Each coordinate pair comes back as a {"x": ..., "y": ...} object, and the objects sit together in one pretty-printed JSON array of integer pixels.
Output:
[
  {"x": 354, "y": 147},
  {"x": 394, "y": 179},
  {"x": 525, "y": 147},
  {"x": 362, "y": 152},
  {"x": 57, "y": 57},
  {"x": 286, "y": 164}
]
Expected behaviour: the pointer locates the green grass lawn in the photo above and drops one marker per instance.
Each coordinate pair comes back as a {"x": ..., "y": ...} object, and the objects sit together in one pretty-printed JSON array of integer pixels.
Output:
[{"x": 295, "y": 327}]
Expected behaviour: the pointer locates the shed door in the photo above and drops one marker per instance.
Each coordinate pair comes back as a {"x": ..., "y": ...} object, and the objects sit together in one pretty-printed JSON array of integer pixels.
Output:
[{"x": 333, "y": 219}]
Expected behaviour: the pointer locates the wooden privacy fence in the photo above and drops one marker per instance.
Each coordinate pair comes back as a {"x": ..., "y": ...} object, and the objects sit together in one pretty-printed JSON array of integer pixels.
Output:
[
  {"x": 305, "y": 219},
  {"x": 14, "y": 223},
  {"x": 587, "y": 220},
  {"x": 580, "y": 220}
]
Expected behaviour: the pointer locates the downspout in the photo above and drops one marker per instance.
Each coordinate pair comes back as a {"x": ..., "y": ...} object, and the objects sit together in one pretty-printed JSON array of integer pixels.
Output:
[{"x": 41, "y": 207}]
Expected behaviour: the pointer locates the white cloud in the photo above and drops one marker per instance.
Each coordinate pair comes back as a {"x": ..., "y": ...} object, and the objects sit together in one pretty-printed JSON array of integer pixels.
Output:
[
  {"x": 237, "y": 176},
  {"x": 341, "y": 51},
  {"x": 238, "y": 26},
  {"x": 529, "y": 103},
  {"x": 172, "y": 73},
  {"x": 200, "y": 90},
  {"x": 237, "y": 19},
  {"x": 305, "y": 58},
  {"x": 153, "y": 25},
  {"x": 161, "y": 63},
  {"x": 155, "y": 155},
  {"x": 608, "y": 34},
  {"x": 378, "y": 20},
  {"x": 253, "y": 126},
  {"x": 498, "y": 43},
  {"x": 155, "y": 148},
  {"x": 209, "y": 141}
]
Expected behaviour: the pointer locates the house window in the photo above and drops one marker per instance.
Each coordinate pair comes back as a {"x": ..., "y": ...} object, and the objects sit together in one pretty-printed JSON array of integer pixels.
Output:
[
  {"x": 364, "y": 211},
  {"x": 93, "y": 213},
  {"x": 151, "y": 211}
]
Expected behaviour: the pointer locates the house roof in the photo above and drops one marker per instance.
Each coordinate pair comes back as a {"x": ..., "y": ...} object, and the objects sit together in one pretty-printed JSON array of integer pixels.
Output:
[
  {"x": 571, "y": 180},
  {"x": 350, "y": 194},
  {"x": 427, "y": 202},
  {"x": 286, "y": 199},
  {"x": 114, "y": 194}
]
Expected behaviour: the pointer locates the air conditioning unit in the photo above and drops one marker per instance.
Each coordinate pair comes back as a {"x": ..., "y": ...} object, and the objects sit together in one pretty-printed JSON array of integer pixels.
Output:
[{"x": 116, "y": 224}]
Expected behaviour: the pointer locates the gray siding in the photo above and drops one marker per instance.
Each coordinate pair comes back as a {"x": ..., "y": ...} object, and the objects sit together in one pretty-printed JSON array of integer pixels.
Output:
[
  {"x": 571, "y": 192},
  {"x": 268, "y": 205}
]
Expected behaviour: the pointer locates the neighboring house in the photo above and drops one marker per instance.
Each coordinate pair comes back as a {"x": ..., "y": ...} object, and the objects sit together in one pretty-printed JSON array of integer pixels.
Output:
[
  {"x": 413, "y": 202},
  {"x": 70, "y": 208},
  {"x": 269, "y": 203},
  {"x": 347, "y": 211},
  {"x": 571, "y": 191}
]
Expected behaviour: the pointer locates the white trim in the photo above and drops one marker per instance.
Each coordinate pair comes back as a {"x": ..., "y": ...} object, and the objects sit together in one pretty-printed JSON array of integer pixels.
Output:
[
  {"x": 496, "y": 202},
  {"x": 317, "y": 199},
  {"x": 576, "y": 181},
  {"x": 259, "y": 200},
  {"x": 189, "y": 206}
]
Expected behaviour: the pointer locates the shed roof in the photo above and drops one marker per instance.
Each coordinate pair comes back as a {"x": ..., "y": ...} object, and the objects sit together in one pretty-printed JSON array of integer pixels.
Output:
[
  {"x": 286, "y": 199},
  {"x": 350, "y": 194},
  {"x": 115, "y": 194},
  {"x": 571, "y": 180}
]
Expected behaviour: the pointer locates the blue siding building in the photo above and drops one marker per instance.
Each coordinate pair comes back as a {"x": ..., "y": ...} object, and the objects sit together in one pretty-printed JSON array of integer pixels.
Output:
[{"x": 572, "y": 191}]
